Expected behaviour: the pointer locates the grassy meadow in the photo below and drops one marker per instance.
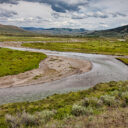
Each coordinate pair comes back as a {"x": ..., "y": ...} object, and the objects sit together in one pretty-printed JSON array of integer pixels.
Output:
[
  {"x": 14, "y": 62},
  {"x": 84, "y": 45},
  {"x": 92, "y": 45},
  {"x": 105, "y": 105},
  {"x": 22, "y": 38}
]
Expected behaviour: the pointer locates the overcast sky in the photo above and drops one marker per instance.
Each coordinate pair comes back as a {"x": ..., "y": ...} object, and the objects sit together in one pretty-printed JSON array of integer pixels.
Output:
[{"x": 88, "y": 14}]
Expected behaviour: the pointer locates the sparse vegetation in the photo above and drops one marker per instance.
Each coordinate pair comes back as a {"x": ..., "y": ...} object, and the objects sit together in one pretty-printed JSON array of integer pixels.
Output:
[
  {"x": 14, "y": 62},
  {"x": 37, "y": 77},
  {"x": 107, "y": 101}
]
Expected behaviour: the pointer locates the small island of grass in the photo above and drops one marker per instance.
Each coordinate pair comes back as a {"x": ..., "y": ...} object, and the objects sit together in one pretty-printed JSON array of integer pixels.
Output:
[{"x": 13, "y": 62}]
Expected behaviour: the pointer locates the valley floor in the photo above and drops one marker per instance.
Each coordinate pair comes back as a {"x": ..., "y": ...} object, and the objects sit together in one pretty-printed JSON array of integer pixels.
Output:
[{"x": 103, "y": 106}]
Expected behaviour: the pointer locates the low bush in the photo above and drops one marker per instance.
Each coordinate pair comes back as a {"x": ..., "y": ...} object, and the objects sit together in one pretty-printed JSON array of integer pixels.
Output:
[
  {"x": 93, "y": 102},
  {"x": 20, "y": 120},
  {"x": 78, "y": 110},
  {"x": 13, "y": 122},
  {"x": 109, "y": 100},
  {"x": 46, "y": 115},
  {"x": 124, "y": 97}
]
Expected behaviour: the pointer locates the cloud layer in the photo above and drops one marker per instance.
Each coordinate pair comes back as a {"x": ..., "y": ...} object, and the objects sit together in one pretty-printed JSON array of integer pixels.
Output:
[{"x": 89, "y": 14}]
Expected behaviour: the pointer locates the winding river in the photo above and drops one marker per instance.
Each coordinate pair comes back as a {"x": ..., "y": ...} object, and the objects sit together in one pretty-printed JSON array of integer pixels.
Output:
[{"x": 105, "y": 68}]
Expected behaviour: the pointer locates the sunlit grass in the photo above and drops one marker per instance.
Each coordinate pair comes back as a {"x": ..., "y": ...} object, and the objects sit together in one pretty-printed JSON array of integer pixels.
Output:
[
  {"x": 20, "y": 38},
  {"x": 97, "y": 46},
  {"x": 14, "y": 62}
]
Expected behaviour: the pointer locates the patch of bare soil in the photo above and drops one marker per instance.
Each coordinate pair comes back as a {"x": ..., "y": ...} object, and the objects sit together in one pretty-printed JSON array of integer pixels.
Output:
[
  {"x": 11, "y": 43},
  {"x": 50, "y": 69}
]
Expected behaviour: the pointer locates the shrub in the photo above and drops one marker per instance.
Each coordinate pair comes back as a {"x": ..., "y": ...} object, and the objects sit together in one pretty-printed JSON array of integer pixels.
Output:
[
  {"x": 109, "y": 100},
  {"x": 63, "y": 112},
  {"x": 85, "y": 102},
  {"x": 127, "y": 87},
  {"x": 115, "y": 93},
  {"x": 12, "y": 121},
  {"x": 46, "y": 115},
  {"x": 124, "y": 96},
  {"x": 78, "y": 110},
  {"x": 23, "y": 119},
  {"x": 94, "y": 102},
  {"x": 29, "y": 120}
]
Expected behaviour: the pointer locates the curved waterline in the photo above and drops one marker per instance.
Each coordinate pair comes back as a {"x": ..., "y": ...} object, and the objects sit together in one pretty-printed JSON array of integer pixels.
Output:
[{"x": 105, "y": 68}]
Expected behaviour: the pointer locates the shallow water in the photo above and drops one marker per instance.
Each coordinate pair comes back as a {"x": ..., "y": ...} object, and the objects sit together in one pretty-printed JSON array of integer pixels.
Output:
[{"x": 105, "y": 68}]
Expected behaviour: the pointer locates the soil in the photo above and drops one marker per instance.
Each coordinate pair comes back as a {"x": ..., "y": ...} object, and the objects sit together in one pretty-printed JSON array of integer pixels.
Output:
[{"x": 51, "y": 69}]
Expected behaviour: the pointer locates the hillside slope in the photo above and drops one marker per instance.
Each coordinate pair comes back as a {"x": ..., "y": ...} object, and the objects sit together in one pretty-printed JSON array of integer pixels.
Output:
[
  {"x": 12, "y": 30},
  {"x": 115, "y": 32}
]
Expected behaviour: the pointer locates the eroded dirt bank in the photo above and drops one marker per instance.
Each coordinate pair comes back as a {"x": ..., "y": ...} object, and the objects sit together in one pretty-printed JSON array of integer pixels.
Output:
[{"x": 52, "y": 68}]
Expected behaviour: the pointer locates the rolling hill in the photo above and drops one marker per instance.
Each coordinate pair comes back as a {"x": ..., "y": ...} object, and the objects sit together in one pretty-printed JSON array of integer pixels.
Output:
[
  {"x": 12, "y": 30},
  {"x": 115, "y": 32}
]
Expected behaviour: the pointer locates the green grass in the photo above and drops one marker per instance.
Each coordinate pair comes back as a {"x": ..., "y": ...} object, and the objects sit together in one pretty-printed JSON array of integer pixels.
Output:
[
  {"x": 85, "y": 45},
  {"x": 20, "y": 38},
  {"x": 98, "y": 46},
  {"x": 124, "y": 60},
  {"x": 104, "y": 97},
  {"x": 14, "y": 62}
]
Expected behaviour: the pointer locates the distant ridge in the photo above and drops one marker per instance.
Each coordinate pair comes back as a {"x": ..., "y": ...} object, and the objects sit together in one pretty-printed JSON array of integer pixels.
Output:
[
  {"x": 115, "y": 32},
  {"x": 56, "y": 31},
  {"x": 30, "y": 31}
]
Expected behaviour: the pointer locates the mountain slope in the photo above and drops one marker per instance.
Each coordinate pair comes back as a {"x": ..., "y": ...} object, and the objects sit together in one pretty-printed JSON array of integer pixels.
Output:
[
  {"x": 116, "y": 32},
  {"x": 12, "y": 30}
]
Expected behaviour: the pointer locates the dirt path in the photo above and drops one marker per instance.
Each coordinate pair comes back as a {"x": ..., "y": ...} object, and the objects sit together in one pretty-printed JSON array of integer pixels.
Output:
[{"x": 52, "y": 68}]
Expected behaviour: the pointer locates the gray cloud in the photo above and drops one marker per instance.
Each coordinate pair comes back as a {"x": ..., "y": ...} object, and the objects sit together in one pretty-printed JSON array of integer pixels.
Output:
[
  {"x": 56, "y": 15},
  {"x": 7, "y": 13},
  {"x": 92, "y": 14},
  {"x": 9, "y": 1},
  {"x": 98, "y": 14},
  {"x": 118, "y": 14},
  {"x": 56, "y": 5}
]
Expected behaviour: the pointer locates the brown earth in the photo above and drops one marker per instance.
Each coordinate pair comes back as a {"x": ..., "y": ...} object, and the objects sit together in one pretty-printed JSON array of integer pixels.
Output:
[{"x": 50, "y": 69}]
